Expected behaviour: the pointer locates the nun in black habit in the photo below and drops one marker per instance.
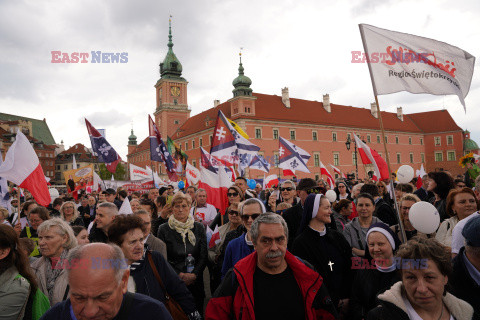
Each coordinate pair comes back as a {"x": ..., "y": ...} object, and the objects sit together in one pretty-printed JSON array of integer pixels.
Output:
[{"x": 326, "y": 249}]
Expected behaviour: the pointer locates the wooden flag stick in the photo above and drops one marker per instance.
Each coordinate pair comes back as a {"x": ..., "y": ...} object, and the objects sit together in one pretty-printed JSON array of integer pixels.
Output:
[{"x": 387, "y": 157}]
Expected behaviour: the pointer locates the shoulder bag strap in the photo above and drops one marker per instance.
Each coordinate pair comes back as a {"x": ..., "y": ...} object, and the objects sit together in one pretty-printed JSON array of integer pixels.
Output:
[{"x": 157, "y": 275}]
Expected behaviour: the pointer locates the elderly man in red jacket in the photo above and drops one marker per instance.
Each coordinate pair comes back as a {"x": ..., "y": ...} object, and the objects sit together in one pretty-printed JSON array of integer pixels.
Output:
[{"x": 271, "y": 283}]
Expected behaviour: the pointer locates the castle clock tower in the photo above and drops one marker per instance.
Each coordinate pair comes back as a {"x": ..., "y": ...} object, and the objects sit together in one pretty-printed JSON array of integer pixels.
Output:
[{"x": 171, "y": 93}]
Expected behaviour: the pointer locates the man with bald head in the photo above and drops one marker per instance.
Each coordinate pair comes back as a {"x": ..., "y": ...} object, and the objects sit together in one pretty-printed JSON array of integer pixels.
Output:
[{"x": 98, "y": 278}]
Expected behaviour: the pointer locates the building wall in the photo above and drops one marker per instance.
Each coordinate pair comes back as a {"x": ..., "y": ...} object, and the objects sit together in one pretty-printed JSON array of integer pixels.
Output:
[{"x": 431, "y": 148}]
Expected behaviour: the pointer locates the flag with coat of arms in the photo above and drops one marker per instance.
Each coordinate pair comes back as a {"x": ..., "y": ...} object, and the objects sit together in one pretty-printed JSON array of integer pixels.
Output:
[
  {"x": 292, "y": 157},
  {"x": 158, "y": 150},
  {"x": 102, "y": 149}
]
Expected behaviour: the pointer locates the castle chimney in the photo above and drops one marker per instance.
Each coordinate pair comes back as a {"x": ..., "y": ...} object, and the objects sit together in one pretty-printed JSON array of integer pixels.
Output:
[
  {"x": 285, "y": 97},
  {"x": 374, "y": 110},
  {"x": 400, "y": 113},
  {"x": 326, "y": 103},
  {"x": 216, "y": 103}
]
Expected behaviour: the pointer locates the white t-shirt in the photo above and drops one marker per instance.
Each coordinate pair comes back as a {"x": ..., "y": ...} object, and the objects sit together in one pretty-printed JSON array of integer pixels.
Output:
[
  {"x": 206, "y": 214},
  {"x": 458, "y": 241}
]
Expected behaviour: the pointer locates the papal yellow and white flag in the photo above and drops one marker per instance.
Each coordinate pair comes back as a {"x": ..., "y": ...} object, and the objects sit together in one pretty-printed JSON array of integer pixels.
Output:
[{"x": 403, "y": 62}]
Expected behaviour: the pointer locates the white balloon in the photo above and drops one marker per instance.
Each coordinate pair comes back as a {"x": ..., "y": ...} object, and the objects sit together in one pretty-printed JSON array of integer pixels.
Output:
[
  {"x": 331, "y": 195},
  {"x": 424, "y": 217},
  {"x": 405, "y": 174},
  {"x": 53, "y": 194}
]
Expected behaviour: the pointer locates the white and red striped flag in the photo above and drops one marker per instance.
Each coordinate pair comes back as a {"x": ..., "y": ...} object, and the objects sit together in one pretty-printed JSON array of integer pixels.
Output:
[
  {"x": 215, "y": 239},
  {"x": 404, "y": 62},
  {"x": 420, "y": 173},
  {"x": 216, "y": 184},
  {"x": 336, "y": 170},
  {"x": 270, "y": 181},
  {"x": 22, "y": 167},
  {"x": 324, "y": 171},
  {"x": 370, "y": 156}
]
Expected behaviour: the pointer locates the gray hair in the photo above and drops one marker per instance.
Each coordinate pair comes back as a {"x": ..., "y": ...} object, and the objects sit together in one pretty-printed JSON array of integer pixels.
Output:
[
  {"x": 63, "y": 228},
  {"x": 111, "y": 207},
  {"x": 291, "y": 182},
  {"x": 199, "y": 190},
  {"x": 141, "y": 211},
  {"x": 250, "y": 202},
  {"x": 267, "y": 218},
  {"x": 357, "y": 186},
  {"x": 116, "y": 258}
]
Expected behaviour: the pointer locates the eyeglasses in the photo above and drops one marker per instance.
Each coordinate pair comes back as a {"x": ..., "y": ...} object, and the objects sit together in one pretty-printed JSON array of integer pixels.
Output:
[
  {"x": 286, "y": 189},
  {"x": 341, "y": 186},
  {"x": 280, "y": 211},
  {"x": 253, "y": 216},
  {"x": 232, "y": 194},
  {"x": 233, "y": 212}
]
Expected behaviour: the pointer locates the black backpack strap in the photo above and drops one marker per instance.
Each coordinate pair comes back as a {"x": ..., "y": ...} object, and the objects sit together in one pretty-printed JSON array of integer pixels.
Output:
[
  {"x": 126, "y": 306},
  {"x": 358, "y": 238}
]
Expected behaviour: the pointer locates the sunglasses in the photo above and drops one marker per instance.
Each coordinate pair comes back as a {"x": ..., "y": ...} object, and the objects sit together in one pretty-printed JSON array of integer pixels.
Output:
[
  {"x": 280, "y": 211},
  {"x": 233, "y": 213},
  {"x": 286, "y": 189},
  {"x": 253, "y": 216},
  {"x": 232, "y": 194}
]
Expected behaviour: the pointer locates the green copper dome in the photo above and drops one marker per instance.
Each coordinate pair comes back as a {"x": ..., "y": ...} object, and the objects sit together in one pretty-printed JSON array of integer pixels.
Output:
[
  {"x": 171, "y": 66},
  {"x": 132, "y": 139},
  {"x": 242, "y": 82},
  {"x": 469, "y": 144}
]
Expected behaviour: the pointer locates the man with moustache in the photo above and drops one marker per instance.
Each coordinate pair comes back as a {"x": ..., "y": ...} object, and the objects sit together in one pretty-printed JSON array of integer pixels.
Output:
[{"x": 270, "y": 283}]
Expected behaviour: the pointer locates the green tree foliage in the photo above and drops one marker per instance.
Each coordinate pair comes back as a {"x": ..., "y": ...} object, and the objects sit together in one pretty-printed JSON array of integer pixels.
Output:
[{"x": 106, "y": 175}]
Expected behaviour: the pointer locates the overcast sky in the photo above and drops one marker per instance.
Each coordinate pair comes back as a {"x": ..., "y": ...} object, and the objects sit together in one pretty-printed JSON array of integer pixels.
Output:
[{"x": 304, "y": 45}]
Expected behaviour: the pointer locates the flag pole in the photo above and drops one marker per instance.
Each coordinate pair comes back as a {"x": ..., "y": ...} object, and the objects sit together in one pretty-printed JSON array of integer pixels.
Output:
[
  {"x": 387, "y": 157},
  {"x": 96, "y": 161},
  {"x": 153, "y": 178},
  {"x": 397, "y": 211}
]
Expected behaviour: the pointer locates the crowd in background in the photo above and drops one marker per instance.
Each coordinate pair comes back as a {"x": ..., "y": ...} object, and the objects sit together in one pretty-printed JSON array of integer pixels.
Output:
[{"x": 353, "y": 244}]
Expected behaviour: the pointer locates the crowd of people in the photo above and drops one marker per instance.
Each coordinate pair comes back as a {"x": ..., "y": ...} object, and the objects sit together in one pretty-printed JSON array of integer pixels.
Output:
[{"x": 285, "y": 252}]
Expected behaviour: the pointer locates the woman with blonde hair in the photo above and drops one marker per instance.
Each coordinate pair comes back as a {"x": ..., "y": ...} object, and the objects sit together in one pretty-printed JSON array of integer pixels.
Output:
[
  {"x": 55, "y": 239},
  {"x": 186, "y": 242},
  {"x": 70, "y": 214}
]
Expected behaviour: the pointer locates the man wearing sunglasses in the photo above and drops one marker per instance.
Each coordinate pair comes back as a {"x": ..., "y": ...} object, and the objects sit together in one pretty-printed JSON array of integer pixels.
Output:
[
  {"x": 242, "y": 246},
  {"x": 288, "y": 192},
  {"x": 271, "y": 283}
]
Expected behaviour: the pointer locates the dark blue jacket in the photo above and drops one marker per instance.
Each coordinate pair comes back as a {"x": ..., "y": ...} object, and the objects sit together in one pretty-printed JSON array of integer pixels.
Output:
[
  {"x": 236, "y": 250},
  {"x": 147, "y": 284},
  {"x": 142, "y": 307}
]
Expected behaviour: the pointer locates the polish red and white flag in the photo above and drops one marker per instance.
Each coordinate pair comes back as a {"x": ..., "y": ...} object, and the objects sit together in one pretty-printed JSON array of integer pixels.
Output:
[
  {"x": 324, "y": 171},
  {"x": 216, "y": 184},
  {"x": 370, "y": 156},
  {"x": 22, "y": 167},
  {"x": 336, "y": 170},
  {"x": 270, "y": 181},
  {"x": 215, "y": 239}
]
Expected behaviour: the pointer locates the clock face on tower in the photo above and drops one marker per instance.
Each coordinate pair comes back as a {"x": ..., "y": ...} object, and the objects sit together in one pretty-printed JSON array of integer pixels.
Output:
[{"x": 175, "y": 91}]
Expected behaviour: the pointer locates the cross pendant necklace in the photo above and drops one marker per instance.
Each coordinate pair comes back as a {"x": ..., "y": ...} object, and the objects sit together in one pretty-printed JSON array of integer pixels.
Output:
[{"x": 330, "y": 264}]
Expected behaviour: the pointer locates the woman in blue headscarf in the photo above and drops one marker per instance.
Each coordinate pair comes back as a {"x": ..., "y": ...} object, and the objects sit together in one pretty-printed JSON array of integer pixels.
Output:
[{"x": 326, "y": 249}]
